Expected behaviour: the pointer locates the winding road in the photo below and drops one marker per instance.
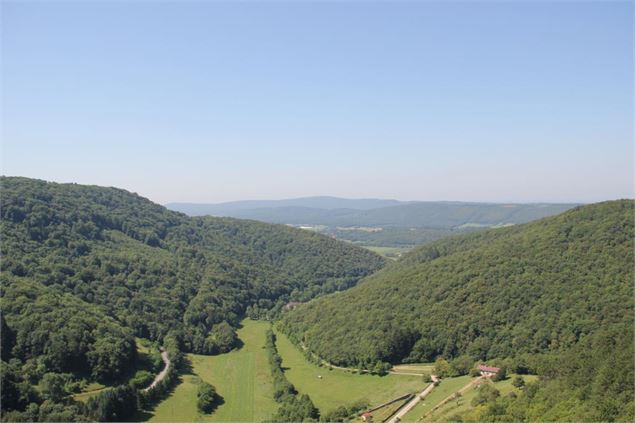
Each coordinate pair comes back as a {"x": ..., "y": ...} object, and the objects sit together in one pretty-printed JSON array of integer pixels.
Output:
[{"x": 161, "y": 375}]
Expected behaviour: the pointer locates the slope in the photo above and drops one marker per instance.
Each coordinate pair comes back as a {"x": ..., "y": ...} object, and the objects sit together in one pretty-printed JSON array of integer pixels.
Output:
[
  {"x": 531, "y": 288},
  {"x": 143, "y": 271},
  {"x": 553, "y": 297}
]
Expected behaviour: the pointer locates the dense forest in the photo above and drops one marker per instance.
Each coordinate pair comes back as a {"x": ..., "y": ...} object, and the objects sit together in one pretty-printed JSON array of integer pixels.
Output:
[
  {"x": 553, "y": 296},
  {"x": 85, "y": 269}
]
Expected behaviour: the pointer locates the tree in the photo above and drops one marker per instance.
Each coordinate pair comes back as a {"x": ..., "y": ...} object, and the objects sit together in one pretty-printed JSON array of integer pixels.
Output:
[
  {"x": 474, "y": 371},
  {"x": 441, "y": 367},
  {"x": 207, "y": 398},
  {"x": 381, "y": 368},
  {"x": 518, "y": 382},
  {"x": 7, "y": 339},
  {"x": 486, "y": 393},
  {"x": 500, "y": 375},
  {"x": 461, "y": 365},
  {"x": 52, "y": 386}
]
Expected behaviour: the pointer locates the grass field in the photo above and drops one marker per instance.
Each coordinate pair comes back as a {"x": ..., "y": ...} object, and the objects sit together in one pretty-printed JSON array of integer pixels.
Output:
[
  {"x": 388, "y": 252},
  {"x": 384, "y": 413},
  {"x": 451, "y": 408},
  {"x": 340, "y": 387},
  {"x": 438, "y": 394},
  {"x": 242, "y": 378},
  {"x": 420, "y": 368},
  {"x": 90, "y": 391}
]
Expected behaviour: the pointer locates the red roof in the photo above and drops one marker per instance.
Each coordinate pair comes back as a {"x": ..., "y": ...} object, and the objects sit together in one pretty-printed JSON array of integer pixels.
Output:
[
  {"x": 366, "y": 414},
  {"x": 490, "y": 369}
]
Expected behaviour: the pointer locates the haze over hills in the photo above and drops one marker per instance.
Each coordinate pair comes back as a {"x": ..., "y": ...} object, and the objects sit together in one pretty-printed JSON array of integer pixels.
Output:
[
  {"x": 389, "y": 227},
  {"x": 319, "y": 202},
  {"x": 332, "y": 211}
]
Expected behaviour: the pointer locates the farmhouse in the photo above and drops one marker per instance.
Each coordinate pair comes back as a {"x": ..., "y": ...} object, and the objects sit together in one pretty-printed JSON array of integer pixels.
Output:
[
  {"x": 367, "y": 417},
  {"x": 488, "y": 371}
]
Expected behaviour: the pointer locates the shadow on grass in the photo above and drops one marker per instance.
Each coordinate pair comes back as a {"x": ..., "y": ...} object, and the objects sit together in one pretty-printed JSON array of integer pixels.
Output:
[{"x": 217, "y": 403}]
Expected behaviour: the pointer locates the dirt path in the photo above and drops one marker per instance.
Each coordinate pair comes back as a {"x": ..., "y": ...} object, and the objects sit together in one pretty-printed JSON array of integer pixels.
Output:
[
  {"x": 453, "y": 395},
  {"x": 413, "y": 402},
  {"x": 161, "y": 375}
]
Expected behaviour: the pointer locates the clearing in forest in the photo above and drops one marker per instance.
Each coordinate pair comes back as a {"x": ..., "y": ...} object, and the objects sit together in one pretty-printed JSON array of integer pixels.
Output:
[
  {"x": 242, "y": 378},
  {"x": 331, "y": 388}
]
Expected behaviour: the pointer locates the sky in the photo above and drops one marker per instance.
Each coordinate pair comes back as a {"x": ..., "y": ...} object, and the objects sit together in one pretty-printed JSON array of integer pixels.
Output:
[{"x": 209, "y": 101}]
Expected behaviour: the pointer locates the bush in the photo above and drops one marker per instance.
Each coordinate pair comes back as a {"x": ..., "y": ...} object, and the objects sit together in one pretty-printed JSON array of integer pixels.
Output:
[
  {"x": 441, "y": 367},
  {"x": 207, "y": 398},
  {"x": 461, "y": 365},
  {"x": 113, "y": 405},
  {"x": 501, "y": 375},
  {"x": 518, "y": 382},
  {"x": 474, "y": 372},
  {"x": 486, "y": 393},
  {"x": 141, "y": 379}
]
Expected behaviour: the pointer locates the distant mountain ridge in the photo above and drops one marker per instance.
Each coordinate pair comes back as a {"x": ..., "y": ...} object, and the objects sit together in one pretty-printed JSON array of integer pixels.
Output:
[
  {"x": 319, "y": 202},
  {"x": 332, "y": 211}
]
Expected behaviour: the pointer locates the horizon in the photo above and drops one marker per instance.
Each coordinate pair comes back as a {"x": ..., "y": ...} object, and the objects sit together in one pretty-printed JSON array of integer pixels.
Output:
[
  {"x": 212, "y": 102},
  {"x": 304, "y": 197}
]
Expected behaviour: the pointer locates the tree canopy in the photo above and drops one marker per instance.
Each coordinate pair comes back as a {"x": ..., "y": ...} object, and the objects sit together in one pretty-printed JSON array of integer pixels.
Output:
[{"x": 85, "y": 269}]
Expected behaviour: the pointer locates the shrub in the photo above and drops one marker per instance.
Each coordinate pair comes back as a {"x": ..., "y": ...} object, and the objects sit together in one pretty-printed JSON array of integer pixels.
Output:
[{"x": 207, "y": 398}]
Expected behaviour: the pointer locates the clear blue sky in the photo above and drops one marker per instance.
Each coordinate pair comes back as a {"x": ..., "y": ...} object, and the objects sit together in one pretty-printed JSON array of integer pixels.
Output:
[{"x": 215, "y": 101}]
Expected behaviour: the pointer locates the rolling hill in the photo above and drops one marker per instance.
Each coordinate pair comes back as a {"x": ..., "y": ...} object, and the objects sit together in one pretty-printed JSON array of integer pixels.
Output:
[
  {"x": 376, "y": 213},
  {"x": 526, "y": 288},
  {"x": 554, "y": 296},
  {"x": 85, "y": 269},
  {"x": 322, "y": 203}
]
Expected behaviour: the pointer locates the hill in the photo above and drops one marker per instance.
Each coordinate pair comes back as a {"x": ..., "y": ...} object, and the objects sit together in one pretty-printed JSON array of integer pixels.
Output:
[
  {"x": 323, "y": 203},
  {"x": 85, "y": 269},
  {"x": 526, "y": 288},
  {"x": 400, "y": 226},
  {"x": 378, "y": 213},
  {"x": 559, "y": 288}
]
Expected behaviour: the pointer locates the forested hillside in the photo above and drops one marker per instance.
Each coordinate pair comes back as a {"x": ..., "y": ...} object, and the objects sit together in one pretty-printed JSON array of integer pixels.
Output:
[
  {"x": 85, "y": 269},
  {"x": 530, "y": 294}
]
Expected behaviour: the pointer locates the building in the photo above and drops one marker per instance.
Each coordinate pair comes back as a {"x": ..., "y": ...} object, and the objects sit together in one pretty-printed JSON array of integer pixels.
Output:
[
  {"x": 488, "y": 371},
  {"x": 367, "y": 417}
]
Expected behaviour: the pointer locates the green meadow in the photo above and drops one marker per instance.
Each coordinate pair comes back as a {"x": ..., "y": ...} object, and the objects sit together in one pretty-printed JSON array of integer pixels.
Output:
[
  {"x": 244, "y": 381},
  {"x": 446, "y": 388},
  {"x": 388, "y": 252},
  {"x": 451, "y": 408},
  {"x": 241, "y": 377},
  {"x": 340, "y": 387}
]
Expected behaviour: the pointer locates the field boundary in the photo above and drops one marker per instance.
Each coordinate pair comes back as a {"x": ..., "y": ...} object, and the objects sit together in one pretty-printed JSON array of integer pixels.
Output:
[{"x": 403, "y": 397}]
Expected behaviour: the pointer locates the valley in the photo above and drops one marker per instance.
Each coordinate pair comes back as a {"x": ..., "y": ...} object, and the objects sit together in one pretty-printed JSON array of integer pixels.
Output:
[
  {"x": 115, "y": 308},
  {"x": 387, "y": 227},
  {"x": 242, "y": 379},
  {"x": 307, "y": 211}
]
